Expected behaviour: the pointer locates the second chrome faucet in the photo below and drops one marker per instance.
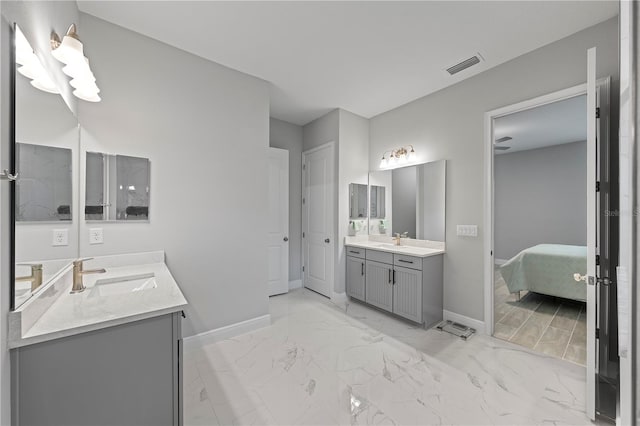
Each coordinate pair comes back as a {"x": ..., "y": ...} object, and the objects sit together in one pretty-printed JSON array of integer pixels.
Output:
[{"x": 79, "y": 272}]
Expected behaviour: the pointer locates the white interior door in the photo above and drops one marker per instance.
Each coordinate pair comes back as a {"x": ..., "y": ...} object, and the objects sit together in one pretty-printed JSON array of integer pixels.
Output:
[
  {"x": 592, "y": 225},
  {"x": 317, "y": 218},
  {"x": 278, "y": 246}
]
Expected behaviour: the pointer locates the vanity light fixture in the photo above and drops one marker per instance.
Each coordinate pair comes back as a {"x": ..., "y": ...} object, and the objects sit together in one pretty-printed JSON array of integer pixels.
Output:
[
  {"x": 70, "y": 52},
  {"x": 403, "y": 155},
  {"x": 30, "y": 66}
]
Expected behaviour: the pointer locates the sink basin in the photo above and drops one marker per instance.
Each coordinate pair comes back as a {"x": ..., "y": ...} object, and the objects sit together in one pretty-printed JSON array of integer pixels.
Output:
[{"x": 125, "y": 284}]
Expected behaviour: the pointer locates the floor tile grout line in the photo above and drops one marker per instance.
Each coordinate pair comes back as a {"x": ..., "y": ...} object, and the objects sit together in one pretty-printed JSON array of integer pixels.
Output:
[
  {"x": 523, "y": 323},
  {"x": 573, "y": 330},
  {"x": 547, "y": 327},
  {"x": 204, "y": 385}
]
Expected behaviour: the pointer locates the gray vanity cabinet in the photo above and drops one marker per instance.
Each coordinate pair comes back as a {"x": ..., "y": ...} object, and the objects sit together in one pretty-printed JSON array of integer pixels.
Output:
[
  {"x": 408, "y": 286},
  {"x": 379, "y": 288},
  {"x": 407, "y": 293},
  {"x": 355, "y": 277},
  {"x": 129, "y": 374}
]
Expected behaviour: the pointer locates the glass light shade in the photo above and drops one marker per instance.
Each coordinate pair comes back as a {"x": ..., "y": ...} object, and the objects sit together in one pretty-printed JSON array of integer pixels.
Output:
[
  {"x": 79, "y": 69},
  {"x": 85, "y": 85},
  {"x": 29, "y": 71},
  {"x": 383, "y": 163},
  {"x": 402, "y": 159},
  {"x": 89, "y": 96},
  {"x": 70, "y": 51},
  {"x": 392, "y": 160},
  {"x": 412, "y": 155},
  {"x": 45, "y": 84}
]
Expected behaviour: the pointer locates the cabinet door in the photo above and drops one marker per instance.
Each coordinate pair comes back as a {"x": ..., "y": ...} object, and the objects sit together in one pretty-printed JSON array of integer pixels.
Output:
[
  {"x": 355, "y": 277},
  {"x": 379, "y": 288},
  {"x": 407, "y": 293}
]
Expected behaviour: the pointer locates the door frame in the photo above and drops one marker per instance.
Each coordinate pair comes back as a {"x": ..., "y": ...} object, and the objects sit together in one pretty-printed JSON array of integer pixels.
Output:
[
  {"x": 604, "y": 87},
  {"x": 332, "y": 237}
]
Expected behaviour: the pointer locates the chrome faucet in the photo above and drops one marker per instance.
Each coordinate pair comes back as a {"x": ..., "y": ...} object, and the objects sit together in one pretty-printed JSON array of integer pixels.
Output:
[
  {"x": 79, "y": 272},
  {"x": 35, "y": 277}
]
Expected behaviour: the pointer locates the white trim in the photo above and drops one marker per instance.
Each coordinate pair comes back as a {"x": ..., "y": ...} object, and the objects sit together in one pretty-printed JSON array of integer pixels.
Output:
[
  {"x": 488, "y": 241},
  {"x": 226, "y": 332},
  {"x": 294, "y": 284},
  {"x": 468, "y": 321}
]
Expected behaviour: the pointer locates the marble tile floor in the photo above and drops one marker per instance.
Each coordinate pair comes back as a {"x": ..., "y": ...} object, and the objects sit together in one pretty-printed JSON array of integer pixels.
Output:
[
  {"x": 319, "y": 364},
  {"x": 551, "y": 325}
]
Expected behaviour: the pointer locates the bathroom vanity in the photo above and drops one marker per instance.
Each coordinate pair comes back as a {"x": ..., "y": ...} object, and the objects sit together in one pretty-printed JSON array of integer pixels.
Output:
[
  {"x": 403, "y": 280},
  {"x": 109, "y": 355}
]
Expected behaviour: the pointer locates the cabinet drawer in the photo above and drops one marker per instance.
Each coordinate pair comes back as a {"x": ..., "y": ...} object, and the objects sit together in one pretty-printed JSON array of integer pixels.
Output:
[
  {"x": 407, "y": 261},
  {"x": 380, "y": 256},
  {"x": 356, "y": 252}
]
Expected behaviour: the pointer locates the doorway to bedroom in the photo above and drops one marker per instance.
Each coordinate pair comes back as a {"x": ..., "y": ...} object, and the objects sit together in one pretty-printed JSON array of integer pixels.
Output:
[{"x": 540, "y": 228}]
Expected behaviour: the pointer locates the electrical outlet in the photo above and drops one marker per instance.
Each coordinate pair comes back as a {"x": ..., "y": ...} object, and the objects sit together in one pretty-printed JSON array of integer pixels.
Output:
[
  {"x": 60, "y": 237},
  {"x": 467, "y": 230},
  {"x": 96, "y": 236}
]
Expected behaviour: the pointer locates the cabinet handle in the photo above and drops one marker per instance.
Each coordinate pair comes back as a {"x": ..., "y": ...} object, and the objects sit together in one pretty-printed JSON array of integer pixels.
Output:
[
  {"x": 389, "y": 276},
  {"x": 394, "y": 276},
  {"x": 405, "y": 261},
  {"x": 354, "y": 252},
  {"x": 326, "y": 240},
  {"x": 362, "y": 268},
  {"x": 285, "y": 239}
]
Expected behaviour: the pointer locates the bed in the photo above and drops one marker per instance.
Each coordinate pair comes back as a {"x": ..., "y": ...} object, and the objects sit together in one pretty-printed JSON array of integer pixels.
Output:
[{"x": 548, "y": 269}]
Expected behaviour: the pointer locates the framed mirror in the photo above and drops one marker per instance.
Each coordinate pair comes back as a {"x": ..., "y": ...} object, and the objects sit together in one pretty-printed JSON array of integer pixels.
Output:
[
  {"x": 117, "y": 187},
  {"x": 409, "y": 200},
  {"x": 45, "y": 151}
]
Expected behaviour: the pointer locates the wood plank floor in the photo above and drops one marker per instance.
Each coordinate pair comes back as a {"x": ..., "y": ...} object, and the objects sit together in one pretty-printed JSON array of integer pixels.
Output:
[{"x": 550, "y": 325}]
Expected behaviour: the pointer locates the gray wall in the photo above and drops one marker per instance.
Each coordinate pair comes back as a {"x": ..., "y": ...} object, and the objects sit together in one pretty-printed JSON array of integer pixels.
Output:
[
  {"x": 205, "y": 129},
  {"x": 289, "y": 136},
  {"x": 540, "y": 197},
  {"x": 449, "y": 124},
  {"x": 403, "y": 199}
]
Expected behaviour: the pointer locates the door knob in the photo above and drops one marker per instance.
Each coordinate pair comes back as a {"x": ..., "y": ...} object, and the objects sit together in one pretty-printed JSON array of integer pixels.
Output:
[
  {"x": 286, "y": 239},
  {"x": 326, "y": 240}
]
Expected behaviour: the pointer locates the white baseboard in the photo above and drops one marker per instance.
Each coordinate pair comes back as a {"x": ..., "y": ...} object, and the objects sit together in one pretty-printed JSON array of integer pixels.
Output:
[
  {"x": 295, "y": 284},
  {"x": 227, "y": 332},
  {"x": 470, "y": 322},
  {"x": 500, "y": 262}
]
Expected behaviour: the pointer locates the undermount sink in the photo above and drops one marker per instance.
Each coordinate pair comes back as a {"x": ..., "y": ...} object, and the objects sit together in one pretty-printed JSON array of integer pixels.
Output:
[{"x": 125, "y": 284}]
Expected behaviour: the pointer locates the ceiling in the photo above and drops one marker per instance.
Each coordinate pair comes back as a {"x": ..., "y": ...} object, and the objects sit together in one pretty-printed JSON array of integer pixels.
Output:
[
  {"x": 365, "y": 57},
  {"x": 552, "y": 124}
]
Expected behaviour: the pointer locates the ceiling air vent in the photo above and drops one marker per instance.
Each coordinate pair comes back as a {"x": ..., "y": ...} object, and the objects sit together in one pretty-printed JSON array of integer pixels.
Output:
[
  {"x": 474, "y": 60},
  {"x": 504, "y": 139},
  {"x": 501, "y": 148}
]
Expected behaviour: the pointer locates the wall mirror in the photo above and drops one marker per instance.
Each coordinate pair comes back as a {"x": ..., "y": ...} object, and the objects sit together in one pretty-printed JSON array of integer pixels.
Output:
[
  {"x": 357, "y": 201},
  {"x": 116, "y": 187},
  {"x": 409, "y": 200},
  {"x": 46, "y": 156}
]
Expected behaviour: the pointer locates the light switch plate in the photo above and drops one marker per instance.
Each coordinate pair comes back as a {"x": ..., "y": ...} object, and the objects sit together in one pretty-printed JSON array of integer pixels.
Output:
[
  {"x": 60, "y": 237},
  {"x": 467, "y": 230},
  {"x": 96, "y": 236}
]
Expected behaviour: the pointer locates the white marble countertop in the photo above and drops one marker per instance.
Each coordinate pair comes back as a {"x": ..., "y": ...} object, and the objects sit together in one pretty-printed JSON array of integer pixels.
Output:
[
  {"x": 410, "y": 247},
  {"x": 69, "y": 314}
]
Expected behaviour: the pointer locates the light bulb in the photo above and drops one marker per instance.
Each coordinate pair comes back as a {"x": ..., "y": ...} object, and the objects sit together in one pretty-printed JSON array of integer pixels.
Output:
[
  {"x": 403, "y": 158},
  {"x": 383, "y": 163},
  {"x": 412, "y": 155},
  {"x": 392, "y": 160}
]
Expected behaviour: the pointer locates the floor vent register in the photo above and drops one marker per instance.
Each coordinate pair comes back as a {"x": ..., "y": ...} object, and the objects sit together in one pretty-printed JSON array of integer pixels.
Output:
[{"x": 456, "y": 329}]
